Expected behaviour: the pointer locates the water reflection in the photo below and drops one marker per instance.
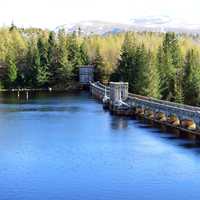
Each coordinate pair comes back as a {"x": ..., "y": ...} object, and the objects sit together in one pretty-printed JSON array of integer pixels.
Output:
[
  {"x": 12, "y": 97},
  {"x": 46, "y": 153},
  {"x": 170, "y": 137},
  {"x": 191, "y": 145},
  {"x": 119, "y": 122},
  {"x": 71, "y": 109},
  {"x": 145, "y": 126}
]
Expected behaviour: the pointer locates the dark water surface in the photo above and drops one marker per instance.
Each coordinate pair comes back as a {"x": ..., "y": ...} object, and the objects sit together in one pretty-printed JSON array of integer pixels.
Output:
[{"x": 66, "y": 147}]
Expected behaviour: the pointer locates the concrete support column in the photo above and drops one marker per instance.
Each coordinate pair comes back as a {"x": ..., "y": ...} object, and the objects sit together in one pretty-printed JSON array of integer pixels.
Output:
[
  {"x": 118, "y": 91},
  {"x": 115, "y": 92},
  {"x": 124, "y": 90}
]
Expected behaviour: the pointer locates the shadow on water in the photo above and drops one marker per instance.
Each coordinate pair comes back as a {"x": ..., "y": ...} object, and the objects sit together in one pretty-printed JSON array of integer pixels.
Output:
[
  {"x": 163, "y": 132},
  {"x": 171, "y": 137},
  {"x": 191, "y": 145},
  {"x": 145, "y": 126}
]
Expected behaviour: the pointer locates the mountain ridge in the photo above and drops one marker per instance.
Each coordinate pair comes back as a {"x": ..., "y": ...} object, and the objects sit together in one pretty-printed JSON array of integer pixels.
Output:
[{"x": 148, "y": 23}]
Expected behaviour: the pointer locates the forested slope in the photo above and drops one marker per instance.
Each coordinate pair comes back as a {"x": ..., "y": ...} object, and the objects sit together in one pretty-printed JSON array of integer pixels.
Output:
[{"x": 165, "y": 66}]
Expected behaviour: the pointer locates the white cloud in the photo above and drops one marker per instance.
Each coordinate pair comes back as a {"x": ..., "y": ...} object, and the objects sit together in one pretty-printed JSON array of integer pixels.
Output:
[{"x": 50, "y": 13}]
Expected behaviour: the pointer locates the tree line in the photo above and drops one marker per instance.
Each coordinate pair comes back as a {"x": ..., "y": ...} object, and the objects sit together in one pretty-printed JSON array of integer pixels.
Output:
[
  {"x": 164, "y": 66},
  {"x": 165, "y": 73},
  {"x": 44, "y": 59}
]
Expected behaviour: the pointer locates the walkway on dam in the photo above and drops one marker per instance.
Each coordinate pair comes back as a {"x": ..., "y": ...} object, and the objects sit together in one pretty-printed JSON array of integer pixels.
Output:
[{"x": 118, "y": 98}]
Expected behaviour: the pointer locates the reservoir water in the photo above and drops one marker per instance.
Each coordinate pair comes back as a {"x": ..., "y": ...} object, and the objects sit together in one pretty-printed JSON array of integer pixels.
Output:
[{"x": 59, "y": 146}]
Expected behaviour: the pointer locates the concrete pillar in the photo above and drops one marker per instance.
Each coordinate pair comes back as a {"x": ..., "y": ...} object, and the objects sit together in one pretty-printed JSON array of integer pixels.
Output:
[
  {"x": 115, "y": 92},
  {"x": 124, "y": 90},
  {"x": 118, "y": 91}
]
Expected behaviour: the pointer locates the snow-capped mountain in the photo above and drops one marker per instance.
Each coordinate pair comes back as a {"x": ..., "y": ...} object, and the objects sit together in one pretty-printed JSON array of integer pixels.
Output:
[
  {"x": 96, "y": 27},
  {"x": 149, "y": 23},
  {"x": 165, "y": 23}
]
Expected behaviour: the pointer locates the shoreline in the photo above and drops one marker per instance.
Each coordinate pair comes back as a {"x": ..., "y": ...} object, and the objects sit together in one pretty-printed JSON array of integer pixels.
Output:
[{"x": 73, "y": 87}]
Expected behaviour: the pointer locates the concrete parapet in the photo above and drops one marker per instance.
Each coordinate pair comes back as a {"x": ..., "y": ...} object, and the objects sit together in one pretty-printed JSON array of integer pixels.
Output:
[
  {"x": 118, "y": 91},
  {"x": 120, "y": 102}
]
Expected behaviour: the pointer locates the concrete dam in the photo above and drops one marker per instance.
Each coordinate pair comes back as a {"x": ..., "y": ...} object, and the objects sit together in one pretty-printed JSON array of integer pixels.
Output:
[{"x": 119, "y": 101}]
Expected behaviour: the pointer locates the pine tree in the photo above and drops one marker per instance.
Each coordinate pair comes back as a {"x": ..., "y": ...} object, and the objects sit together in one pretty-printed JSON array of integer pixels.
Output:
[
  {"x": 152, "y": 77},
  {"x": 29, "y": 69},
  {"x": 140, "y": 68},
  {"x": 84, "y": 59},
  {"x": 41, "y": 64},
  {"x": 167, "y": 74},
  {"x": 36, "y": 66},
  {"x": 98, "y": 63},
  {"x": 127, "y": 69},
  {"x": 169, "y": 61},
  {"x": 74, "y": 54},
  {"x": 52, "y": 48},
  {"x": 11, "y": 73},
  {"x": 178, "y": 86},
  {"x": 191, "y": 78},
  {"x": 64, "y": 67},
  {"x": 147, "y": 82},
  {"x": 42, "y": 76},
  {"x": 42, "y": 46}
]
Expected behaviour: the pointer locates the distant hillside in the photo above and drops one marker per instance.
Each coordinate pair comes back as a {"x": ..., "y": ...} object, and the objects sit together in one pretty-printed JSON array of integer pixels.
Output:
[
  {"x": 164, "y": 24},
  {"x": 97, "y": 27},
  {"x": 149, "y": 23}
]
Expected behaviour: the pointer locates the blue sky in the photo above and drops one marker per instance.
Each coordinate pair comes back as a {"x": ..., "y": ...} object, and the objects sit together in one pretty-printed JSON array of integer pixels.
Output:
[{"x": 51, "y": 13}]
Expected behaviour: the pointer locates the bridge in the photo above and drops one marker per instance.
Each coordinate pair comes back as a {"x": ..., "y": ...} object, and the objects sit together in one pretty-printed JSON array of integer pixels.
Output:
[{"x": 118, "y": 100}]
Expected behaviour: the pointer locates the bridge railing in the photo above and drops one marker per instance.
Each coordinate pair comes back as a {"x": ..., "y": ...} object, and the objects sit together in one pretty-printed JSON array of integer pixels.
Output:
[
  {"x": 96, "y": 86},
  {"x": 101, "y": 88},
  {"x": 152, "y": 101},
  {"x": 179, "y": 112},
  {"x": 187, "y": 107}
]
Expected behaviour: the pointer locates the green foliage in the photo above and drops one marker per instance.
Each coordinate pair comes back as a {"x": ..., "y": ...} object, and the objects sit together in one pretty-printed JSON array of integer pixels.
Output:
[
  {"x": 159, "y": 65},
  {"x": 84, "y": 58},
  {"x": 42, "y": 47},
  {"x": 41, "y": 63},
  {"x": 1, "y": 85},
  {"x": 137, "y": 65},
  {"x": 127, "y": 69},
  {"x": 64, "y": 66},
  {"x": 74, "y": 56},
  {"x": 11, "y": 72},
  {"x": 141, "y": 75},
  {"x": 52, "y": 57},
  {"x": 98, "y": 63},
  {"x": 191, "y": 79},
  {"x": 42, "y": 76},
  {"x": 170, "y": 64},
  {"x": 151, "y": 77}
]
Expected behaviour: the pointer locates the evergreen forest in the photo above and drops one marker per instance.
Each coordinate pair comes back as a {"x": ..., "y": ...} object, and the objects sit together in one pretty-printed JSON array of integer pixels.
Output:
[{"x": 160, "y": 65}]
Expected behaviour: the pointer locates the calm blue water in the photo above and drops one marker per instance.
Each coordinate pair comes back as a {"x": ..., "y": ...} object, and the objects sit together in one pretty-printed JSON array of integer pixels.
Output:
[{"x": 66, "y": 147}]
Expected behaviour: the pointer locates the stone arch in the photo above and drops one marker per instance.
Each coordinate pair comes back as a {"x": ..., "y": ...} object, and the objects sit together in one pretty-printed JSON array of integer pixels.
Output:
[
  {"x": 149, "y": 113},
  {"x": 160, "y": 116},
  {"x": 188, "y": 123},
  {"x": 173, "y": 120}
]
